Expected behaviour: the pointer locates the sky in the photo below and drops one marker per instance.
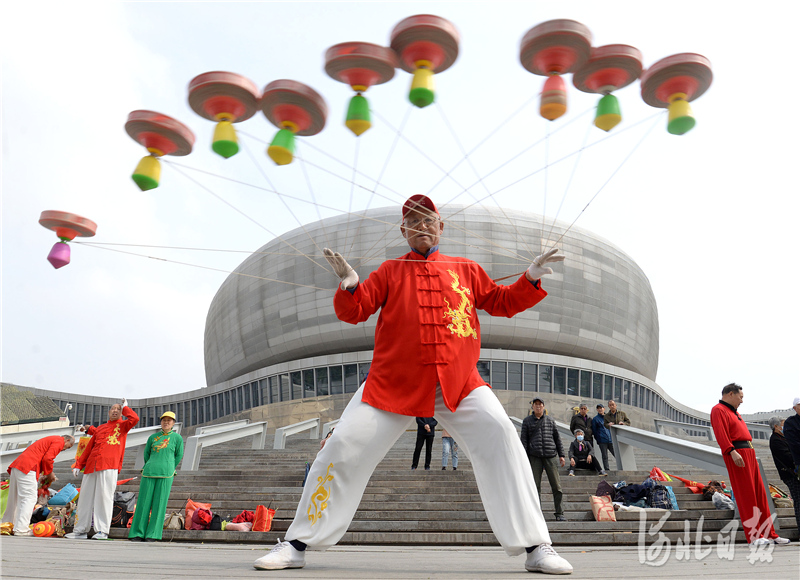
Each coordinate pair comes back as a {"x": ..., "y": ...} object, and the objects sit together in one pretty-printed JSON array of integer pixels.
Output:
[{"x": 710, "y": 216}]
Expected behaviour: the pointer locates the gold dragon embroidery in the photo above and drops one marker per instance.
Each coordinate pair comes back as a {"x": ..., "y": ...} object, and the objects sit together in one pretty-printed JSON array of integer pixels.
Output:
[
  {"x": 113, "y": 439},
  {"x": 460, "y": 316},
  {"x": 320, "y": 497}
]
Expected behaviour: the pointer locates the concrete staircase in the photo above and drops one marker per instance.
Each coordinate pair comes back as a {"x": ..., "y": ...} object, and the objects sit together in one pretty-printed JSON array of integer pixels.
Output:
[{"x": 404, "y": 507}]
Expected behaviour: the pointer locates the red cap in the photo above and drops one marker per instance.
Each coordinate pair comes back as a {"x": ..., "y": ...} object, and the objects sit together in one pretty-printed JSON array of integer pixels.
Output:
[{"x": 418, "y": 202}]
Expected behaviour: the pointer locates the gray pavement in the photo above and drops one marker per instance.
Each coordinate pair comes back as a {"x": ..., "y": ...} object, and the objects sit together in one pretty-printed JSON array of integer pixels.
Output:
[{"x": 59, "y": 558}]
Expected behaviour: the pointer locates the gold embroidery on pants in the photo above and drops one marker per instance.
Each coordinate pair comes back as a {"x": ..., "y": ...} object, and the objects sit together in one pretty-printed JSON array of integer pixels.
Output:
[
  {"x": 460, "y": 317},
  {"x": 320, "y": 497}
]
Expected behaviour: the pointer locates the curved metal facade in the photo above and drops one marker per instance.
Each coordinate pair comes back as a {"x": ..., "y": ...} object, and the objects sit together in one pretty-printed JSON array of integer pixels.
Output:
[{"x": 600, "y": 305}]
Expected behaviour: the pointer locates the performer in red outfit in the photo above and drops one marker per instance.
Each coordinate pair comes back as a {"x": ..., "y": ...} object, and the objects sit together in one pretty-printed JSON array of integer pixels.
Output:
[
  {"x": 735, "y": 442},
  {"x": 101, "y": 462},
  {"x": 427, "y": 344},
  {"x": 24, "y": 474}
]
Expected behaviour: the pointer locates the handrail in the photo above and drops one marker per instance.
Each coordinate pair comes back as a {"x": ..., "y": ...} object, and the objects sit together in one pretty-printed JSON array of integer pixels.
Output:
[
  {"x": 282, "y": 433},
  {"x": 706, "y": 457},
  {"x": 195, "y": 444},
  {"x": 135, "y": 438},
  {"x": 659, "y": 423},
  {"x": 220, "y": 427},
  {"x": 14, "y": 439}
]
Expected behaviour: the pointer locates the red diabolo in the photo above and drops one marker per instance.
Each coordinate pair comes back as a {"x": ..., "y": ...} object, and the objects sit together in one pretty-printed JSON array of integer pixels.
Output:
[
  {"x": 67, "y": 226},
  {"x": 160, "y": 135},
  {"x": 227, "y": 98},
  {"x": 296, "y": 109},
  {"x": 360, "y": 65},
  {"x": 425, "y": 44},
  {"x": 672, "y": 83},
  {"x": 555, "y": 48}
]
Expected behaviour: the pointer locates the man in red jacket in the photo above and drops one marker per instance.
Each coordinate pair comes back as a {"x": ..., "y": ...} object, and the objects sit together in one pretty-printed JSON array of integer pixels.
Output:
[
  {"x": 101, "y": 462},
  {"x": 427, "y": 344},
  {"x": 24, "y": 473},
  {"x": 736, "y": 444}
]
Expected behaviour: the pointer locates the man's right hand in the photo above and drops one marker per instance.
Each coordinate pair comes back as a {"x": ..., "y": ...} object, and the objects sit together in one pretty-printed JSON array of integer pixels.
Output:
[
  {"x": 341, "y": 268},
  {"x": 572, "y": 462},
  {"x": 737, "y": 459}
]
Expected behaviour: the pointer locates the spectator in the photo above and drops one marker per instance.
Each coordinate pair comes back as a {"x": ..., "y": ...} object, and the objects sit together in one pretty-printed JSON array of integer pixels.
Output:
[
  {"x": 615, "y": 416},
  {"x": 782, "y": 457},
  {"x": 580, "y": 455},
  {"x": 449, "y": 448},
  {"x": 791, "y": 431},
  {"x": 602, "y": 435},
  {"x": 425, "y": 436},
  {"x": 101, "y": 462},
  {"x": 162, "y": 453},
  {"x": 735, "y": 441},
  {"x": 583, "y": 422},
  {"x": 24, "y": 473},
  {"x": 543, "y": 445},
  {"x": 322, "y": 443}
]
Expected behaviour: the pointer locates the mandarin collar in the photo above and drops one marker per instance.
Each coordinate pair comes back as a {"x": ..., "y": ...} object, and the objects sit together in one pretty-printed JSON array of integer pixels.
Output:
[
  {"x": 417, "y": 255},
  {"x": 731, "y": 407}
]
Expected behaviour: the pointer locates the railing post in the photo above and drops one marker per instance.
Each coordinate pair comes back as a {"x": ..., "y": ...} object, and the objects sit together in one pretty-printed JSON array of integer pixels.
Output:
[
  {"x": 260, "y": 440},
  {"x": 623, "y": 452},
  {"x": 191, "y": 454}
]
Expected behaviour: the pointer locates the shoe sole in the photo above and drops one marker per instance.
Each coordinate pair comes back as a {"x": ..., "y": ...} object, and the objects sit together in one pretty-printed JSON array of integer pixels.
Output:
[
  {"x": 546, "y": 571},
  {"x": 257, "y": 567}
]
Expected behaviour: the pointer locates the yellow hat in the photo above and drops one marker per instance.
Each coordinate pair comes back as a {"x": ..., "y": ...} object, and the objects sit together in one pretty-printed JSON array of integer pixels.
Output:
[{"x": 169, "y": 414}]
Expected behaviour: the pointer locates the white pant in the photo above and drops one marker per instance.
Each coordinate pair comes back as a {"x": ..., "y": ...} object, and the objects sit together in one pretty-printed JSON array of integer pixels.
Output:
[
  {"x": 97, "y": 497},
  {"x": 22, "y": 494},
  {"x": 365, "y": 434}
]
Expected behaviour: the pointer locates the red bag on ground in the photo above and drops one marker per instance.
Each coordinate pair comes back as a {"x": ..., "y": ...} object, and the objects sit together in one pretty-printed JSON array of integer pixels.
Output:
[
  {"x": 263, "y": 520},
  {"x": 191, "y": 506}
]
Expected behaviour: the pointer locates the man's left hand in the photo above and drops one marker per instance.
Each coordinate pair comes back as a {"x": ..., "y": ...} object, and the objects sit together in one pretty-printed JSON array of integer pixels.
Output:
[
  {"x": 563, "y": 463},
  {"x": 539, "y": 266}
]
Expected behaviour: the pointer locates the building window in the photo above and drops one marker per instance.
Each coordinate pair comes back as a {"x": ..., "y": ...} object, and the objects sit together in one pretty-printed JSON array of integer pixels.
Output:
[
  {"x": 498, "y": 374},
  {"x": 597, "y": 386},
  {"x": 363, "y": 371},
  {"x": 617, "y": 390},
  {"x": 635, "y": 395},
  {"x": 194, "y": 412},
  {"x": 483, "y": 371},
  {"x": 529, "y": 377},
  {"x": 308, "y": 383},
  {"x": 274, "y": 390},
  {"x": 321, "y": 374},
  {"x": 586, "y": 384},
  {"x": 559, "y": 380},
  {"x": 337, "y": 380},
  {"x": 608, "y": 388},
  {"x": 350, "y": 378},
  {"x": 573, "y": 376},
  {"x": 514, "y": 376},
  {"x": 545, "y": 378},
  {"x": 240, "y": 398},
  {"x": 626, "y": 393},
  {"x": 286, "y": 388}
]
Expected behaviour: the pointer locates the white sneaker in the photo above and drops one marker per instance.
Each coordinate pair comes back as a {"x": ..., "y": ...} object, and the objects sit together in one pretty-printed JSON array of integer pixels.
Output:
[
  {"x": 544, "y": 559},
  {"x": 782, "y": 541},
  {"x": 282, "y": 556},
  {"x": 76, "y": 536},
  {"x": 100, "y": 536},
  {"x": 760, "y": 542},
  {"x": 24, "y": 534}
]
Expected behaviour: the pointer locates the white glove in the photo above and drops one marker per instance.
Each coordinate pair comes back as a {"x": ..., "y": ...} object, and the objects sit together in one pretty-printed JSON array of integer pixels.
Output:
[
  {"x": 539, "y": 266},
  {"x": 76, "y": 472},
  {"x": 341, "y": 268},
  {"x": 80, "y": 428},
  {"x": 125, "y": 401}
]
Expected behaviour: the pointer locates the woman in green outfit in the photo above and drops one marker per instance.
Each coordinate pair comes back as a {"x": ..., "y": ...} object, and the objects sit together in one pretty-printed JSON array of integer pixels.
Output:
[{"x": 162, "y": 453}]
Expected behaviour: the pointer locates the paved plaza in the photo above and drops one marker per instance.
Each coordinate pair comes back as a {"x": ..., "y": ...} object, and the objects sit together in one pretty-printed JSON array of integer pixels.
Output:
[{"x": 58, "y": 558}]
